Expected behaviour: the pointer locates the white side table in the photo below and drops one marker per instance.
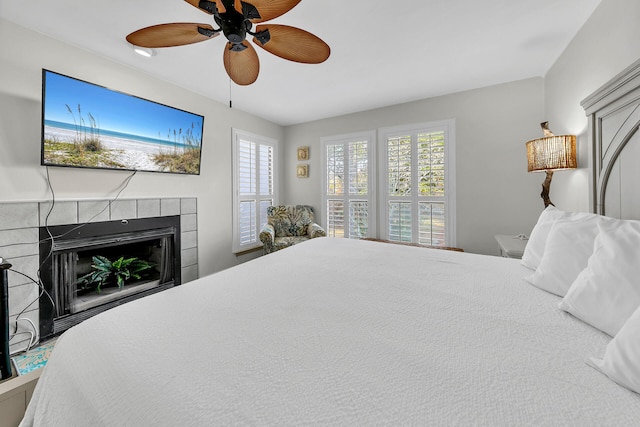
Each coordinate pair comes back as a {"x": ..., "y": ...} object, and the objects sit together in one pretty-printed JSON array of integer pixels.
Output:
[{"x": 511, "y": 246}]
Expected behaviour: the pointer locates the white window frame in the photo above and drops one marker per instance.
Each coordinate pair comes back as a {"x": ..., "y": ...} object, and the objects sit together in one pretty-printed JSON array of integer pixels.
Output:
[
  {"x": 237, "y": 136},
  {"x": 448, "y": 126},
  {"x": 345, "y": 139}
]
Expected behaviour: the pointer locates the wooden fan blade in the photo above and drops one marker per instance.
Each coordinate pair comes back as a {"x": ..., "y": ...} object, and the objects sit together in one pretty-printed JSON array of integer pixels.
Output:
[
  {"x": 196, "y": 3},
  {"x": 270, "y": 9},
  {"x": 168, "y": 35},
  {"x": 294, "y": 44},
  {"x": 243, "y": 67},
  {"x": 220, "y": 6},
  {"x": 237, "y": 4}
]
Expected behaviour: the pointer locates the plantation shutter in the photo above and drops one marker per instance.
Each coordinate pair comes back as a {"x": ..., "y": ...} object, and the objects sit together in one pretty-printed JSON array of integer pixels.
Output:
[
  {"x": 254, "y": 187},
  {"x": 348, "y": 189},
  {"x": 431, "y": 186},
  {"x": 248, "y": 186},
  {"x": 417, "y": 206}
]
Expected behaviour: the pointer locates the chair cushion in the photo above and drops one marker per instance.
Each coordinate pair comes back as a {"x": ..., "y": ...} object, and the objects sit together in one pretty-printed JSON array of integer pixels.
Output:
[
  {"x": 284, "y": 242},
  {"x": 290, "y": 220}
]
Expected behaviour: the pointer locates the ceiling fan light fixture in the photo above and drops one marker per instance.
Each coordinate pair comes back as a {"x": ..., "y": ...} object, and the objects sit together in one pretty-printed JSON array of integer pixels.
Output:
[
  {"x": 235, "y": 19},
  {"x": 144, "y": 51}
]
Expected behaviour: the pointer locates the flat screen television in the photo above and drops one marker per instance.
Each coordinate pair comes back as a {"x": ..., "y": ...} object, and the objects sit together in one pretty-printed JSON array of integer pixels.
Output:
[{"x": 89, "y": 126}]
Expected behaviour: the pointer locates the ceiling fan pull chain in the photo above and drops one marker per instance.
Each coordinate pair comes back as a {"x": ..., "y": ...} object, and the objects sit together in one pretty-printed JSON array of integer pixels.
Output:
[{"x": 230, "y": 101}]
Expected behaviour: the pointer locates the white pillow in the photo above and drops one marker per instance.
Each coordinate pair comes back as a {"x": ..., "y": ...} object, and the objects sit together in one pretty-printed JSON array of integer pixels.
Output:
[
  {"x": 620, "y": 361},
  {"x": 535, "y": 246},
  {"x": 607, "y": 292},
  {"x": 566, "y": 253}
]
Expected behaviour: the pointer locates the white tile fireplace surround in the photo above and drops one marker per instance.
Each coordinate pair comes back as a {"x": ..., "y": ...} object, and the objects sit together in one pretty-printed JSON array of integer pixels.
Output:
[{"x": 19, "y": 231}]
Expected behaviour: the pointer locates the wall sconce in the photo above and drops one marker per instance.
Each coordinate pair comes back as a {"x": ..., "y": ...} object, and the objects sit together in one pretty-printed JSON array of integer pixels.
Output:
[{"x": 549, "y": 154}]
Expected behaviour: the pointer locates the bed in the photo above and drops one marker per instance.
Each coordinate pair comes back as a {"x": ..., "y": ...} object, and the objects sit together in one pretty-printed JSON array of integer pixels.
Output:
[
  {"x": 318, "y": 340},
  {"x": 345, "y": 332}
]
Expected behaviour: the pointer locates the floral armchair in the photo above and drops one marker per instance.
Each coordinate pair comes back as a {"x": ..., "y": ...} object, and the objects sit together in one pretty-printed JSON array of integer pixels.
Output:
[{"x": 288, "y": 225}]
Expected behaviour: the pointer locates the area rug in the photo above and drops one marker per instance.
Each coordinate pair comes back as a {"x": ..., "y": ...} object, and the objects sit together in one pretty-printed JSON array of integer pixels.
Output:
[{"x": 33, "y": 359}]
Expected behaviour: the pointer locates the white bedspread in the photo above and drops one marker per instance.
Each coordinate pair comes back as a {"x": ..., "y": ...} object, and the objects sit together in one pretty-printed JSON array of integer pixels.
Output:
[{"x": 336, "y": 332}]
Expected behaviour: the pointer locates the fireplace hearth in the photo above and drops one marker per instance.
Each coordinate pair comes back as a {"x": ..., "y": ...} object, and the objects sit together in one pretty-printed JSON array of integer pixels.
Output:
[{"x": 78, "y": 250}]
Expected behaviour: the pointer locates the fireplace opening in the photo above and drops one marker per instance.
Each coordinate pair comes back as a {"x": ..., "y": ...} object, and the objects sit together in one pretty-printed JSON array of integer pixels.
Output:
[
  {"x": 127, "y": 260},
  {"x": 91, "y": 268}
]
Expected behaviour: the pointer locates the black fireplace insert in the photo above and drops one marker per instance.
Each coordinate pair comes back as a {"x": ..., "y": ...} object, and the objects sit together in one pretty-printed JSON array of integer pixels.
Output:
[{"x": 90, "y": 268}]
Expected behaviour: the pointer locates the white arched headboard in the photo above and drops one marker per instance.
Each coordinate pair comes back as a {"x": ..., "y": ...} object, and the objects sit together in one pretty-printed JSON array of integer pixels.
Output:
[{"x": 614, "y": 156}]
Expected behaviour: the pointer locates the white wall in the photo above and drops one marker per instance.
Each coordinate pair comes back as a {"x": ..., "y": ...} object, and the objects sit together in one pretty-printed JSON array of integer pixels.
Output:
[
  {"x": 495, "y": 194},
  {"x": 606, "y": 45},
  {"x": 24, "y": 53}
]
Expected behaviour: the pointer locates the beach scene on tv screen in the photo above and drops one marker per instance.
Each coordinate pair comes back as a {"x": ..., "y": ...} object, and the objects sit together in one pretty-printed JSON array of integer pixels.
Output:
[{"x": 86, "y": 125}]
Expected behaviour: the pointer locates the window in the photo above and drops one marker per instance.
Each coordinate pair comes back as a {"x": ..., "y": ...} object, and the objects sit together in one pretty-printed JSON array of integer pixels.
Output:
[
  {"x": 417, "y": 183},
  {"x": 348, "y": 185},
  {"x": 254, "y": 187},
  {"x": 416, "y": 190}
]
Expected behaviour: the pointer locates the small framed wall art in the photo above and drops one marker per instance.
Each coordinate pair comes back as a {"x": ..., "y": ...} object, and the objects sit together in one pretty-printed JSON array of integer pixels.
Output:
[
  {"x": 302, "y": 171},
  {"x": 303, "y": 153}
]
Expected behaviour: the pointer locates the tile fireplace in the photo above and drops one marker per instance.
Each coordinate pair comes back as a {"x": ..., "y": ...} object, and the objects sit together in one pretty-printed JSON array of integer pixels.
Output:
[
  {"x": 20, "y": 244},
  {"x": 144, "y": 252}
]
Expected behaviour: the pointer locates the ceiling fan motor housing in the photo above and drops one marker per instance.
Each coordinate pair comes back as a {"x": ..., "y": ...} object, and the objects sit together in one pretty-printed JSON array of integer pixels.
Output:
[{"x": 236, "y": 25}]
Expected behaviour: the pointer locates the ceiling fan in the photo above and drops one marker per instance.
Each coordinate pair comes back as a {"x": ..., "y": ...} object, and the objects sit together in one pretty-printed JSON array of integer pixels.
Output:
[{"x": 235, "y": 19}]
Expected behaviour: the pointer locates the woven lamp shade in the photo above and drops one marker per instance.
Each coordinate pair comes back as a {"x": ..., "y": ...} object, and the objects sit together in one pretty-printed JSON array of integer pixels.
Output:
[{"x": 552, "y": 153}]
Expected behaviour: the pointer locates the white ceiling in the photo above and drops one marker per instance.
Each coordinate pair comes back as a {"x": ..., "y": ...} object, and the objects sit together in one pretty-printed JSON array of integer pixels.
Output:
[{"x": 382, "y": 52}]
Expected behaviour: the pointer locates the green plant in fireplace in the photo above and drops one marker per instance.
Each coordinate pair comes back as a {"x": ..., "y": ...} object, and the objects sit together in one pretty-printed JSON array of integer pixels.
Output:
[{"x": 118, "y": 271}]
